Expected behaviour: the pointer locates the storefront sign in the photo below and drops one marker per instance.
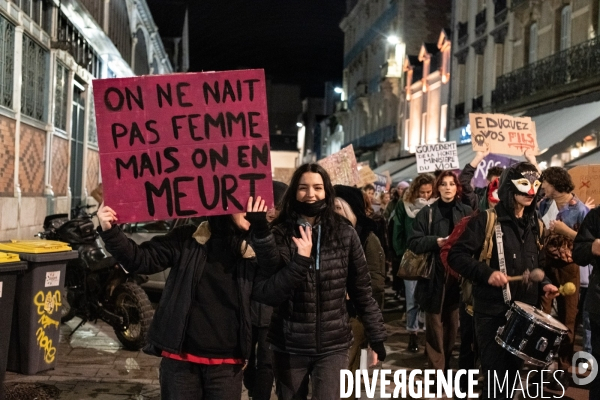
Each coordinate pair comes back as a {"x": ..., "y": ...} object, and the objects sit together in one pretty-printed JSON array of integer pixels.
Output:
[
  {"x": 183, "y": 145},
  {"x": 503, "y": 134}
]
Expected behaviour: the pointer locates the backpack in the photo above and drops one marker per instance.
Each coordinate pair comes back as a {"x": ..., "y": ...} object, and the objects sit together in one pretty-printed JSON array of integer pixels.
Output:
[{"x": 486, "y": 250}]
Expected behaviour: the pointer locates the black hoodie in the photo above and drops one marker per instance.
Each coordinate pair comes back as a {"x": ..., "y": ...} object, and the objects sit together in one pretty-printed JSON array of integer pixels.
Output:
[{"x": 520, "y": 238}]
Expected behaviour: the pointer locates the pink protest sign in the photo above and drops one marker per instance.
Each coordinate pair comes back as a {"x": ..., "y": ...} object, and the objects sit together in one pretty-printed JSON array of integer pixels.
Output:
[{"x": 183, "y": 145}]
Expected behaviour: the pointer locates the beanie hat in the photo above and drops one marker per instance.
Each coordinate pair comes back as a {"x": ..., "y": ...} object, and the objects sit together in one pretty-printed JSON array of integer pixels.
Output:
[
  {"x": 354, "y": 197},
  {"x": 403, "y": 185}
]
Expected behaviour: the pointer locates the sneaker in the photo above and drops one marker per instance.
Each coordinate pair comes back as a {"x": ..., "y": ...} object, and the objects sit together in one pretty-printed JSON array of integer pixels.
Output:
[{"x": 413, "y": 343}]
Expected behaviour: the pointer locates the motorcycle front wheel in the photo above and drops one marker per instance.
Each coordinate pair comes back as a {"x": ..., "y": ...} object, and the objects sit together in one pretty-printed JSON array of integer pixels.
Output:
[{"x": 132, "y": 304}]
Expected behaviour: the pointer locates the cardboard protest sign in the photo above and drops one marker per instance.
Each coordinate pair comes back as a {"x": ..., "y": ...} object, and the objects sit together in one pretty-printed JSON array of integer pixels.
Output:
[
  {"x": 492, "y": 160},
  {"x": 342, "y": 167},
  {"x": 383, "y": 182},
  {"x": 586, "y": 179},
  {"x": 183, "y": 145},
  {"x": 431, "y": 157},
  {"x": 366, "y": 175},
  {"x": 504, "y": 134}
]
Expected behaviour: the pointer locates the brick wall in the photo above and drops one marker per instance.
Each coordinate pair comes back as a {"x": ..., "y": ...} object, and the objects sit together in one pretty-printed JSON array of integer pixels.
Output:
[
  {"x": 32, "y": 160},
  {"x": 60, "y": 165},
  {"x": 92, "y": 170},
  {"x": 7, "y": 156}
]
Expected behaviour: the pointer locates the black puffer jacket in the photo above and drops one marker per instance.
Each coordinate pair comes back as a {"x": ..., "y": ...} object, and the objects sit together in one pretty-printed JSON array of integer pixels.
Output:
[
  {"x": 309, "y": 294},
  {"x": 582, "y": 255},
  {"x": 187, "y": 258},
  {"x": 430, "y": 293},
  {"x": 521, "y": 252}
]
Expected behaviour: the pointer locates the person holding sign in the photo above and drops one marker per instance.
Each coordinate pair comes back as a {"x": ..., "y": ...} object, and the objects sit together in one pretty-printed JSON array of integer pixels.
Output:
[
  {"x": 202, "y": 327},
  {"x": 438, "y": 296},
  {"x": 311, "y": 260}
]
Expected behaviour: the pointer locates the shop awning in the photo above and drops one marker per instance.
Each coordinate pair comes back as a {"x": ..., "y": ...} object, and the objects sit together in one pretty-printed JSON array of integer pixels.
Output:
[
  {"x": 395, "y": 165},
  {"x": 572, "y": 123},
  {"x": 465, "y": 155}
]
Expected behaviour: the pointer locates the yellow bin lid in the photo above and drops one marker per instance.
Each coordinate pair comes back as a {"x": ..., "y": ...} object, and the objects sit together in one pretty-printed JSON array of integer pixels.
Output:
[
  {"x": 34, "y": 246},
  {"x": 8, "y": 257}
]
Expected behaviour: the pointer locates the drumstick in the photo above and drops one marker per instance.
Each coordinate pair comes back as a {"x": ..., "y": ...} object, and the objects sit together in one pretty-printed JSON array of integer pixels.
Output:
[
  {"x": 535, "y": 275},
  {"x": 567, "y": 289}
]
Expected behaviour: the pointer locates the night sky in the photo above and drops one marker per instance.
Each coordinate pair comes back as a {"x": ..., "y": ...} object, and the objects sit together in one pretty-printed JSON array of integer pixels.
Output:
[{"x": 295, "y": 41}]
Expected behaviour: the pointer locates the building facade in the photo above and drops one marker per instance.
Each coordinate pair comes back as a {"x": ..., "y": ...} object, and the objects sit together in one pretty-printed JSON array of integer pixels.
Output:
[
  {"x": 532, "y": 58},
  {"x": 50, "y": 51},
  {"x": 378, "y": 34}
]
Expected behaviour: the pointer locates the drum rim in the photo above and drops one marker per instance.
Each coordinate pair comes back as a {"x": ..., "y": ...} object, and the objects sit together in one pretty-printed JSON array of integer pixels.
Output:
[
  {"x": 536, "y": 321},
  {"x": 520, "y": 354}
]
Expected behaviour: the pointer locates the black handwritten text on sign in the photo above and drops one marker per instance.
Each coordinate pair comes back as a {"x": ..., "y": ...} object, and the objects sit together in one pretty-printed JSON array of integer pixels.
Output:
[{"x": 183, "y": 145}]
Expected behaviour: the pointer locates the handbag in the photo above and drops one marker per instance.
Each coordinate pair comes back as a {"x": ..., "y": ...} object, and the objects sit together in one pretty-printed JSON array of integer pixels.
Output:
[{"x": 416, "y": 266}]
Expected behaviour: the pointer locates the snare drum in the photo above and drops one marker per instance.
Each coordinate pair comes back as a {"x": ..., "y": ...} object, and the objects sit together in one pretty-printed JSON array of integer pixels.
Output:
[{"x": 531, "y": 334}]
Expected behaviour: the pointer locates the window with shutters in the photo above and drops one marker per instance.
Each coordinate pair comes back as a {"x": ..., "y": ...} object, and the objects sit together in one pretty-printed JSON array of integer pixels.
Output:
[
  {"x": 34, "y": 83},
  {"x": 565, "y": 28},
  {"x": 60, "y": 97},
  {"x": 7, "y": 54}
]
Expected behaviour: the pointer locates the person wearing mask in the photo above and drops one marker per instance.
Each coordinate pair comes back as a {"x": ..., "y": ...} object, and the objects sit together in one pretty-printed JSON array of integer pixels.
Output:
[
  {"x": 258, "y": 376},
  {"x": 416, "y": 198},
  {"x": 313, "y": 258},
  {"x": 349, "y": 204},
  {"x": 201, "y": 328},
  {"x": 564, "y": 222},
  {"x": 586, "y": 251},
  {"x": 517, "y": 217},
  {"x": 439, "y": 296}
]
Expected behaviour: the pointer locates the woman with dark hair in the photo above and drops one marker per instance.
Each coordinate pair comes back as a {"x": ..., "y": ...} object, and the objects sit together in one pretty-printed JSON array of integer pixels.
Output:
[
  {"x": 439, "y": 295},
  {"x": 416, "y": 197},
  {"x": 315, "y": 258},
  {"x": 202, "y": 327}
]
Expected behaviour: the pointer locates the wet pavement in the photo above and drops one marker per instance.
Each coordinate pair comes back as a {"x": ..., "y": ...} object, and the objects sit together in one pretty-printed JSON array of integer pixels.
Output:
[{"x": 91, "y": 364}]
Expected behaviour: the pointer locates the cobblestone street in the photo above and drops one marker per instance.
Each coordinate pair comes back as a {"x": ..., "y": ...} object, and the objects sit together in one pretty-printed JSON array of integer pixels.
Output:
[{"x": 91, "y": 364}]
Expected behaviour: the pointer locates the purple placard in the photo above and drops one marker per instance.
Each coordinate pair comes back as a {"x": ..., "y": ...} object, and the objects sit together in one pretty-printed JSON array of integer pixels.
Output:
[{"x": 492, "y": 160}]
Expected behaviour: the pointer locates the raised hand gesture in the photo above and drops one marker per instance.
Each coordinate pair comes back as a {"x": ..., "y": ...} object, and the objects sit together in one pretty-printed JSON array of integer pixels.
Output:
[{"x": 304, "y": 242}]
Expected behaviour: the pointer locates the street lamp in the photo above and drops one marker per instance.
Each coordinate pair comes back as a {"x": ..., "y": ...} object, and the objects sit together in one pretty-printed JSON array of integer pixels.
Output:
[
  {"x": 339, "y": 91},
  {"x": 299, "y": 124},
  {"x": 393, "y": 39}
]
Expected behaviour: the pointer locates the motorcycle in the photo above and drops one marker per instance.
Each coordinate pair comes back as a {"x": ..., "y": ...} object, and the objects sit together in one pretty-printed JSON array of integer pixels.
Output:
[{"x": 96, "y": 286}]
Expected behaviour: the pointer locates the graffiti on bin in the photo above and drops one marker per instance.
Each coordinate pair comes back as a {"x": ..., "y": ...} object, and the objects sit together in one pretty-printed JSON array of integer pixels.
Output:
[{"x": 47, "y": 304}]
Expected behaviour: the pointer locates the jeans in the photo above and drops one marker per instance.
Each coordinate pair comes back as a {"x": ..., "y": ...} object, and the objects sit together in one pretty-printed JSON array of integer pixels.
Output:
[
  {"x": 585, "y": 317},
  {"x": 182, "y": 380},
  {"x": 494, "y": 359},
  {"x": 292, "y": 372},
  {"x": 412, "y": 309},
  {"x": 258, "y": 377}
]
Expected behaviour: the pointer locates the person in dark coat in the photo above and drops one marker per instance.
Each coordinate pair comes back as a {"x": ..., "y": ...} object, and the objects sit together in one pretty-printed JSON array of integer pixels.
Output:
[
  {"x": 439, "y": 296},
  {"x": 202, "y": 328},
  {"x": 517, "y": 217},
  {"x": 315, "y": 257},
  {"x": 258, "y": 377},
  {"x": 586, "y": 250}
]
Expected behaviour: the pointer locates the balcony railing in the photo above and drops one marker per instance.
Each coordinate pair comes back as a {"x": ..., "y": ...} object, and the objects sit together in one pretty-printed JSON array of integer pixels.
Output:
[
  {"x": 518, "y": 3},
  {"x": 569, "y": 67},
  {"x": 477, "y": 104},
  {"x": 463, "y": 33},
  {"x": 480, "y": 22}
]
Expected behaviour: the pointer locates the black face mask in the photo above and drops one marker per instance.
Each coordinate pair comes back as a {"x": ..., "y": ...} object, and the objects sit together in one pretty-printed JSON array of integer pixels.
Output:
[{"x": 309, "y": 209}]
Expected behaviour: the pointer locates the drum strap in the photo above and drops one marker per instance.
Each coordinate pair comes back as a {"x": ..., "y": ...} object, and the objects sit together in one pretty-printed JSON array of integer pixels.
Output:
[{"x": 502, "y": 262}]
